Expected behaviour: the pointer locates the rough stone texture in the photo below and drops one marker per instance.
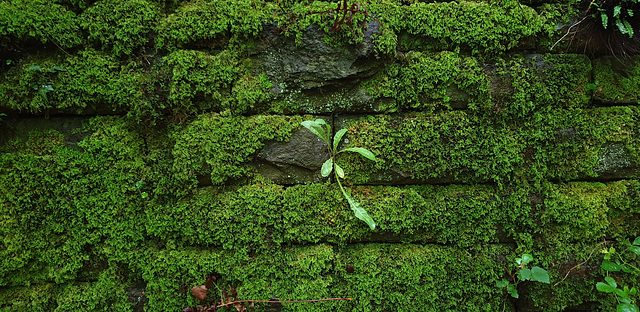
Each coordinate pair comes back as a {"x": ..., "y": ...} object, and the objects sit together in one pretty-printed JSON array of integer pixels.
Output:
[
  {"x": 615, "y": 163},
  {"x": 499, "y": 99},
  {"x": 319, "y": 77},
  {"x": 296, "y": 161}
]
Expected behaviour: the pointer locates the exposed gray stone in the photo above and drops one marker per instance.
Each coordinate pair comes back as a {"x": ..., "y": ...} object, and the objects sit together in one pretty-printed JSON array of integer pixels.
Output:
[
  {"x": 317, "y": 77},
  {"x": 296, "y": 161},
  {"x": 615, "y": 162}
]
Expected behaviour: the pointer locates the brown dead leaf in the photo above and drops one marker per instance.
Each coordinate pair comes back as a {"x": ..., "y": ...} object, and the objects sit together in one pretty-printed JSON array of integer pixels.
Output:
[{"x": 200, "y": 292}]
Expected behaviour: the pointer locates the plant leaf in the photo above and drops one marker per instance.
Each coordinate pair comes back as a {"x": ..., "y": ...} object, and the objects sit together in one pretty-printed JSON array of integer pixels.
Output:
[
  {"x": 524, "y": 274},
  {"x": 337, "y": 138},
  {"x": 610, "y": 266},
  {"x": 339, "y": 171},
  {"x": 635, "y": 249},
  {"x": 621, "y": 27},
  {"x": 616, "y": 10},
  {"x": 605, "y": 20},
  {"x": 600, "y": 286},
  {"x": 317, "y": 129},
  {"x": 621, "y": 293},
  {"x": 627, "y": 307},
  {"x": 526, "y": 258},
  {"x": 362, "y": 151},
  {"x": 637, "y": 241},
  {"x": 611, "y": 281},
  {"x": 628, "y": 26},
  {"x": 502, "y": 283},
  {"x": 55, "y": 69},
  {"x": 539, "y": 274},
  {"x": 327, "y": 167},
  {"x": 511, "y": 289},
  {"x": 359, "y": 211}
]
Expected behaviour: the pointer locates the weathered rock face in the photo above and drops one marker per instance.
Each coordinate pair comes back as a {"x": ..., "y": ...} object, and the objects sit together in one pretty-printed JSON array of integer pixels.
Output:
[
  {"x": 615, "y": 162},
  {"x": 313, "y": 63},
  {"x": 487, "y": 144},
  {"x": 318, "y": 76},
  {"x": 296, "y": 161}
]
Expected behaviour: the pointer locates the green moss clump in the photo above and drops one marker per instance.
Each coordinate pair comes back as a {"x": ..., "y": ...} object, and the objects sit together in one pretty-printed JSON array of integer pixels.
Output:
[
  {"x": 40, "y": 298},
  {"x": 475, "y": 26},
  {"x": 617, "y": 81},
  {"x": 64, "y": 209},
  {"x": 450, "y": 146},
  {"x": 522, "y": 86},
  {"x": 462, "y": 147},
  {"x": 29, "y": 85},
  {"x": 430, "y": 81},
  {"x": 99, "y": 82},
  {"x": 202, "y": 82},
  {"x": 219, "y": 146},
  {"x": 436, "y": 278},
  {"x": 38, "y": 20},
  {"x": 212, "y": 23},
  {"x": 122, "y": 26},
  {"x": 89, "y": 81}
]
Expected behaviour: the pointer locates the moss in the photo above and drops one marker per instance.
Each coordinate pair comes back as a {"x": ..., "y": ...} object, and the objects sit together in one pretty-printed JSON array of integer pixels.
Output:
[
  {"x": 318, "y": 13},
  {"x": 451, "y": 146},
  {"x": 522, "y": 86},
  {"x": 212, "y": 23},
  {"x": 430, "y": 81},
  {"x": 39, "y": 20},
  {"x": 86, "y": 82},
  {"x": 29, "y": 85},
  {"x": 459, "y": 146},
  {"x": 617, "y": 81},
  {"x": 122, "y": 26},
  {"x": 96, "y": 219},
  {"x": 200, "y": 82},
  {"x": 556, "y": 216},
  {"x": 38, "y": 298},
  {"x": 477, "y": 27},
  {"x": 106, "y": 294},
  {"x": 385, "y": 276},
  {"x": 85, "y": 198},
  {"x": 219, "y": 146}
]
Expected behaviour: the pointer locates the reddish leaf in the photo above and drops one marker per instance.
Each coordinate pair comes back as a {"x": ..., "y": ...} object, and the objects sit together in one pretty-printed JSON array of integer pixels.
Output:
[
  {"x": 225, "y": 295},
  {"x": 210, "y": 281},
  {"x": 200, "y": 292},
  {"x": 234, "y": 293}
]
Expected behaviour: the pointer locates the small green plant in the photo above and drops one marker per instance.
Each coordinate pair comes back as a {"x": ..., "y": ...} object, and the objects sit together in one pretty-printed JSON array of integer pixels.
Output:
[
  {"x": 614, "y": 261},
  {"x": 619, "y": 12},
  {"x": 43, "y": 89},
  {"x": 523, "y": 273},
  {"x": 317, "y": 127}
]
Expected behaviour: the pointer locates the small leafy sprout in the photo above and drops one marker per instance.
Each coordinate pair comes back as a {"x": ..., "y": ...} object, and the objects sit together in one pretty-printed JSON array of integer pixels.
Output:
[
  {"x": 614, "y": 262},
  {"x": 535, "y": 274},
  {"x": 317, "y": 127},
  {"x": 625, "y": 303}
]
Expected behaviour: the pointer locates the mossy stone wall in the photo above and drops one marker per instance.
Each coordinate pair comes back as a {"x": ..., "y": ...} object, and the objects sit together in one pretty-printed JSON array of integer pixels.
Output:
[{"x": 148, "y": 144}]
